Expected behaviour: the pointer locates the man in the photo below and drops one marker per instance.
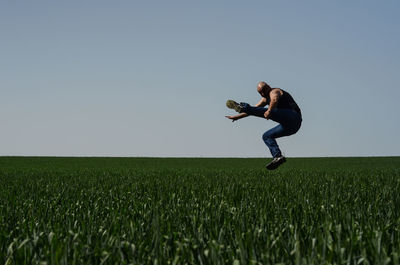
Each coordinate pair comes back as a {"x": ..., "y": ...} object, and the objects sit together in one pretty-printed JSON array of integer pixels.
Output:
[{"x": 282, "y": 109}]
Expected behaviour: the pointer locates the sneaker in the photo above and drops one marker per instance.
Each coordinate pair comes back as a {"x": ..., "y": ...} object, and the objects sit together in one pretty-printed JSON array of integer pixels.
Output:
[
  {"x": 234, "y": 105},
  {"x": 276, "y": 162}
]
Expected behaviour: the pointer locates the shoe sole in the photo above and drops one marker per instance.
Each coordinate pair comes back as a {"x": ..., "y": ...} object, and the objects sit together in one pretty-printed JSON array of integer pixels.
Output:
[{"x": 233, "y": 105}]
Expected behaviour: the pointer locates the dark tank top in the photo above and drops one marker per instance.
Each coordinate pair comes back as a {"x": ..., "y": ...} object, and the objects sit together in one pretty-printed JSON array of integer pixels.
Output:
[{"x": 286, "y": 101}]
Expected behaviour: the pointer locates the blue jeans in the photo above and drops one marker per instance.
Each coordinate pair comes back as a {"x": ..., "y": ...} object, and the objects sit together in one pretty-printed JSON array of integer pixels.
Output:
[{"x": 289, "y": 123}]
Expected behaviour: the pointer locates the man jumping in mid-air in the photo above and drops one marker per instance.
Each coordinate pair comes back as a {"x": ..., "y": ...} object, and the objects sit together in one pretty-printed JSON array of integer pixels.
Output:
[{"x": 282, "y": 109}]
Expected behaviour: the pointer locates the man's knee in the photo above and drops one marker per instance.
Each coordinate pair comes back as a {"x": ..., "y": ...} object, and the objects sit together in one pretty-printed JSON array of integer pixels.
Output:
[{"x": 267, "y": 137}]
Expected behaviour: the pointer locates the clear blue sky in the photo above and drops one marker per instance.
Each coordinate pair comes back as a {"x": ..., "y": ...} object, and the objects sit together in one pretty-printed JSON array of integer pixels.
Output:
[{"x": 150, "y": 78}]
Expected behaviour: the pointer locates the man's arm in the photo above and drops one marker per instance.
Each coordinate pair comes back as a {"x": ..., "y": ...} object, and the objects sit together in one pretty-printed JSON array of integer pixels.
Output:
[
  {"x": 261, "y": 103},
  {"x": 237, "y": 117},
  {"x": 274, "y": 97}
]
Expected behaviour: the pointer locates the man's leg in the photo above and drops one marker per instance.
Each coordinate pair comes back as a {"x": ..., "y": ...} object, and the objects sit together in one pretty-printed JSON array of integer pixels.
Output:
[
  {"x": 254, "y": 111},
  {"x": 279, "y": 131},
  {"x": 290, "y": 120},
  {"x": 269, "y": 139},
  {"x": 289, "y": 123}
]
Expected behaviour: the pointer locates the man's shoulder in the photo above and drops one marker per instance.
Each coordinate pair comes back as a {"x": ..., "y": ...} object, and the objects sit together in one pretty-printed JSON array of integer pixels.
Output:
[{"x": 277, "y": 90}]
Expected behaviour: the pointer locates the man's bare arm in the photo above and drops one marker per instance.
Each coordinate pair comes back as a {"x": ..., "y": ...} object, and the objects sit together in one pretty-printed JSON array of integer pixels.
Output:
[
  {"x": 237, "y": 117},
  {"x": 274, "y": 97},
  {"x": 262, "y": 102}
]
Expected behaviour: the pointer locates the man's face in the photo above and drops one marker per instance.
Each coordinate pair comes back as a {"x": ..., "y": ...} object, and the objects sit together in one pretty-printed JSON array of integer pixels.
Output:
[{"x": 264, "y": 91}]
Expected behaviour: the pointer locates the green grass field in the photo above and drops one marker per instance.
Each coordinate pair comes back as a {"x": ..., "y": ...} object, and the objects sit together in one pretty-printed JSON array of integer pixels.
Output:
[{"x": 199, "y": 211}]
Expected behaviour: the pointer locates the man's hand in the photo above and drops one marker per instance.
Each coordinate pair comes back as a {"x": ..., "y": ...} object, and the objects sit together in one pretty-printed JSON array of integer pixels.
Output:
[
  {"x": 237, "y": 117},
  {"x": 233, "y": 118},
  {"x": 267, "y": 114}
]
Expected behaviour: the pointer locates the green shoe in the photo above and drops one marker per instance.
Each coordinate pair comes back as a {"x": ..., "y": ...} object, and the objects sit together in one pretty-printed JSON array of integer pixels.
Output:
[{"x": 234, "y": 105}]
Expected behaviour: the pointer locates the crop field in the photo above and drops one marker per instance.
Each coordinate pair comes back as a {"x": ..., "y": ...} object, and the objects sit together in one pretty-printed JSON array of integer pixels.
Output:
[{"x": 199, "y": 211}]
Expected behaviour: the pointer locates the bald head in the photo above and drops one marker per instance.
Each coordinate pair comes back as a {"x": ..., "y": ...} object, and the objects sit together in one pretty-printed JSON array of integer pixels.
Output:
[{"x": 263, "y": 88}]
